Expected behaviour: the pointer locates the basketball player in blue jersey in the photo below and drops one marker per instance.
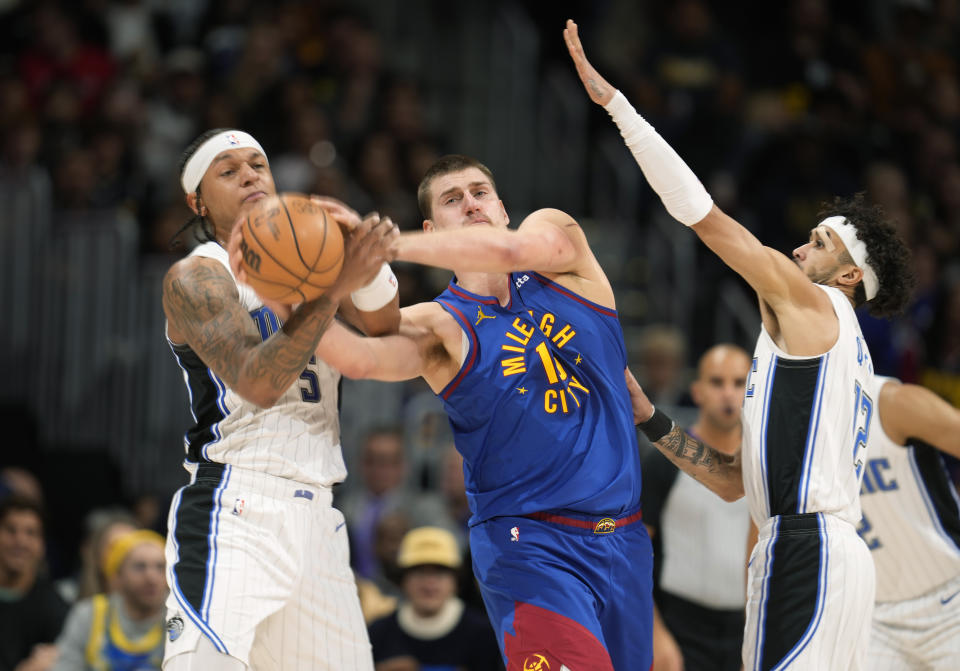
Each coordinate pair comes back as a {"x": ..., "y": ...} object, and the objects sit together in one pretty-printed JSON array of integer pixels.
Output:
[
  {"x": 811, "y": 583},
  {"x": 526, "y": 352},
  {"x": 911, "y": 523},
  {"x": 256, "y": 555}
]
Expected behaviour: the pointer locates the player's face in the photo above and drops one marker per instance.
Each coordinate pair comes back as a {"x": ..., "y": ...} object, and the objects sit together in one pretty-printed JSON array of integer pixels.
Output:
[
  {"x": 819, "y": 258},
  {"x": 235, "y": 180},
  {"x": 141, "y": 577},
  {"x": 428, "y": 588},
  {"x": 718, "y": 391},
  {"x": 21, "y": 541},
  {"x": 465, "y": 198}
]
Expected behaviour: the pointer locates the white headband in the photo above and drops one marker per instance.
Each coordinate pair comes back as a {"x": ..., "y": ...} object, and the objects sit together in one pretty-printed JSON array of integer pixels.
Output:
[
  {"x": 857, "y": 249},
  {"x": 195, "y": 168}
]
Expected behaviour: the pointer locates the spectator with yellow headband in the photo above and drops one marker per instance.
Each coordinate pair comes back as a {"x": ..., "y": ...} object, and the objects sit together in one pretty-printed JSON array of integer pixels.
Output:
[{"x": 122, "y": 630}]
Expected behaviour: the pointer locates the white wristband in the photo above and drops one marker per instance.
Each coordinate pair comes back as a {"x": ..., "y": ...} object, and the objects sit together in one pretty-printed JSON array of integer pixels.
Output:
[
  {"x": 378, "y": 293},
  {"x": 681, "y": 192}
]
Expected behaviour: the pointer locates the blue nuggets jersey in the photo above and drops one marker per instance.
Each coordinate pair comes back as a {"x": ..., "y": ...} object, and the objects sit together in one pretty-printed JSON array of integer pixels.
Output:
[{"x": 540, "y": 409}]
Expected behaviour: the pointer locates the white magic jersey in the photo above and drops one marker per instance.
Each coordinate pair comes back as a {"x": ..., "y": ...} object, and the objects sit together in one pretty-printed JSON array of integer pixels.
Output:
[
  {"x": 804, "y": 425},
  {"x": 910, "y": 521},
  {"x": 298, "y": 438}
]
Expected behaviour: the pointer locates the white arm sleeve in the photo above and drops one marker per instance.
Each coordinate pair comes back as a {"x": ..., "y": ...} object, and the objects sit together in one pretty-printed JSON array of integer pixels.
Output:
[{"x": 681, "y": 192}]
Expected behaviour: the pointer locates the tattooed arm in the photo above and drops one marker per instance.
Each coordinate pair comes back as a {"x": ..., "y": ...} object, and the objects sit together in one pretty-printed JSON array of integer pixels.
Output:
[
  {"x": 203, "y": 309},
  {"x": 720, "y": 473}
]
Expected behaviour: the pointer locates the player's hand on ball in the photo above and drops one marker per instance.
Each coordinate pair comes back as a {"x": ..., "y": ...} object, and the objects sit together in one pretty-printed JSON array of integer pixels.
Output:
[
  {"x": 365, "y": 250},
  {"x": 343, "y": 214}
]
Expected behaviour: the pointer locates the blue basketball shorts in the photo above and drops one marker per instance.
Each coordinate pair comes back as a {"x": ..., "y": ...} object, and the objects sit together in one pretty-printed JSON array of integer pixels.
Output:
[{"x": 567, "y": 589}]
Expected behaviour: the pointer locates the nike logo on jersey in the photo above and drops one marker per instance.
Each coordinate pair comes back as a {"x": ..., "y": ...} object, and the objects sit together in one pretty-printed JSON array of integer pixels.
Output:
[
  {"x": 950, "y": 598},
  {"x": 338, "y": 527}
]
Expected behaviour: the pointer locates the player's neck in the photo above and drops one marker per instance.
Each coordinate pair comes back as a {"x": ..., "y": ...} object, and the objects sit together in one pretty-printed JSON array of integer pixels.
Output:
[
  {"x": 486, "y": 284},
  {"x": 721, "y": 439}
]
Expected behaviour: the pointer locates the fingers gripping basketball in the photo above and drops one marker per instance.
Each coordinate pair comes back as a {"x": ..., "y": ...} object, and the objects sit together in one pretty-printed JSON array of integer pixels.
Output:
[{"x": 292, "y": 250}]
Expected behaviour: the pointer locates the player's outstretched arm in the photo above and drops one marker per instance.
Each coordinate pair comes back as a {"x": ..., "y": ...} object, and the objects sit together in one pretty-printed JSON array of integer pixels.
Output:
[
  {"x": 720, "y": 473},
  {"x": 770, "y": 273},
  {"x": 911, "y": 411},
  {"x": 421, "y": 349},
  {"x": 547, "y": 240},
  {"x": 203, "y": 309}
]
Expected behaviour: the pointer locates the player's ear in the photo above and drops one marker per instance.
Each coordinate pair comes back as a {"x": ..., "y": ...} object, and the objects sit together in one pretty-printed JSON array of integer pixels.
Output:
[
  {"x": 506, "y": 217},
  {"x": 851, "y": 277},
  {"x": 193, "y": 202},
  {"x": 428, "y": 226}
]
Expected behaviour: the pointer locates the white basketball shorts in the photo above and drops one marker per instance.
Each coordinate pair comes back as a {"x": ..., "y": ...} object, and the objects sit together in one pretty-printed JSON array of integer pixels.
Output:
[
  {"x": 260, "y": 566},
  {"x": 810, "y": 595},
  {"x": 921, "y": 633}
]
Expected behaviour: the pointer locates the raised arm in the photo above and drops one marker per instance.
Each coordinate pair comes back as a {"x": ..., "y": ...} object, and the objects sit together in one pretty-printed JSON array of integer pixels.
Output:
[
  {"x": 911, "y": 411},
  {"x": 771, "y": 274},
  {"x": 203, "y": 309},
  {"x": 720, "y": 473}
]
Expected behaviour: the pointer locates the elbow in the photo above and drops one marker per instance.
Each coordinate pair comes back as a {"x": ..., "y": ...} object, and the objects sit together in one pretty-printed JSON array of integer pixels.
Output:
[
  {"x": 732, "y": 492},
  {"x": 732, "y": 489},
  {"x": 262, "y": 397},
  {"x": 264, "y": 401}
]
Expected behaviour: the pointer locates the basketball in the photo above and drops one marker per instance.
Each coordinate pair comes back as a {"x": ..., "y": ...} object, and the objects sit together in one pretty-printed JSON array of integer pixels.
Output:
[{"x": 292, "y": 250}]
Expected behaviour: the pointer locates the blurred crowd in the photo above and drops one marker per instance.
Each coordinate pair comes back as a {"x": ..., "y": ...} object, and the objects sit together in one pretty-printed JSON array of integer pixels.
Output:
[{"x": 776, "y": 106}]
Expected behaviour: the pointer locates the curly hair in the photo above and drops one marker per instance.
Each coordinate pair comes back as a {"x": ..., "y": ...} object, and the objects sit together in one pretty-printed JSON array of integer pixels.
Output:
[{"x": 886, "y": 253}]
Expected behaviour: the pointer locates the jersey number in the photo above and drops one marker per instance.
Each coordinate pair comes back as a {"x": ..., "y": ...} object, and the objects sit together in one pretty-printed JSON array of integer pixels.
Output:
[
  {"x": 865, "y": 528},
  {"x": 863, "y": 409},
  {"x": 310, "y": 393},
  {"x": 268, "y": 323}
]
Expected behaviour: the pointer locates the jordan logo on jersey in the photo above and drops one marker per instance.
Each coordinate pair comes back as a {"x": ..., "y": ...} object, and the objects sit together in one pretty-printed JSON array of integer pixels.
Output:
[
  {"x": 566, "y": 392},
  {"x": 481, "y": 316}
]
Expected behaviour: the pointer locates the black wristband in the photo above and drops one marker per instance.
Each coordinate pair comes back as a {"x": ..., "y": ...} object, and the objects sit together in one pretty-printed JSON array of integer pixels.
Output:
[{"x": 657, "y": 426}]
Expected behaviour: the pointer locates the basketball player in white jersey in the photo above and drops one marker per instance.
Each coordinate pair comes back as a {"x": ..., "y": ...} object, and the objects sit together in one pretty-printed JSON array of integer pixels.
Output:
[
  {"x": 911, "y": 523},
  {"x": 257, "y": 557},
  {"x": 811, "y": 581}
]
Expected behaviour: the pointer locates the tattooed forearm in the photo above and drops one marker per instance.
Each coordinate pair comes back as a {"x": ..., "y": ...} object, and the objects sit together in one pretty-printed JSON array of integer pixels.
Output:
[
  {"x": 287, "y": 352},
  {"x": 718, "y": 471},
  {"x": 689, "y": 448},
  {"x": 202, "y": 305},
  {"x": 596, "y": 89}
]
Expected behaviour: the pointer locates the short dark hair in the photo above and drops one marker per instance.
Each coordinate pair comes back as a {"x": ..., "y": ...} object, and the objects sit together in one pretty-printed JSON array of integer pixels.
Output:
[
  {"x": 444, "y": 166},
  {"x": 18, "y": 503},
  {"x": 886, "y": 253}
]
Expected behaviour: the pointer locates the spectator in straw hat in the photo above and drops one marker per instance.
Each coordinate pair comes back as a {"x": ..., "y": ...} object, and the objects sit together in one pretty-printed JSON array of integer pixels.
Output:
[{"x": 432, "y": 626}]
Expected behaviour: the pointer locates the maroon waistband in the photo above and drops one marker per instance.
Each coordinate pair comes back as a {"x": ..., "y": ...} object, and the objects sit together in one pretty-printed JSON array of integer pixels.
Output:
[{"x": 604, "y": 525}]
